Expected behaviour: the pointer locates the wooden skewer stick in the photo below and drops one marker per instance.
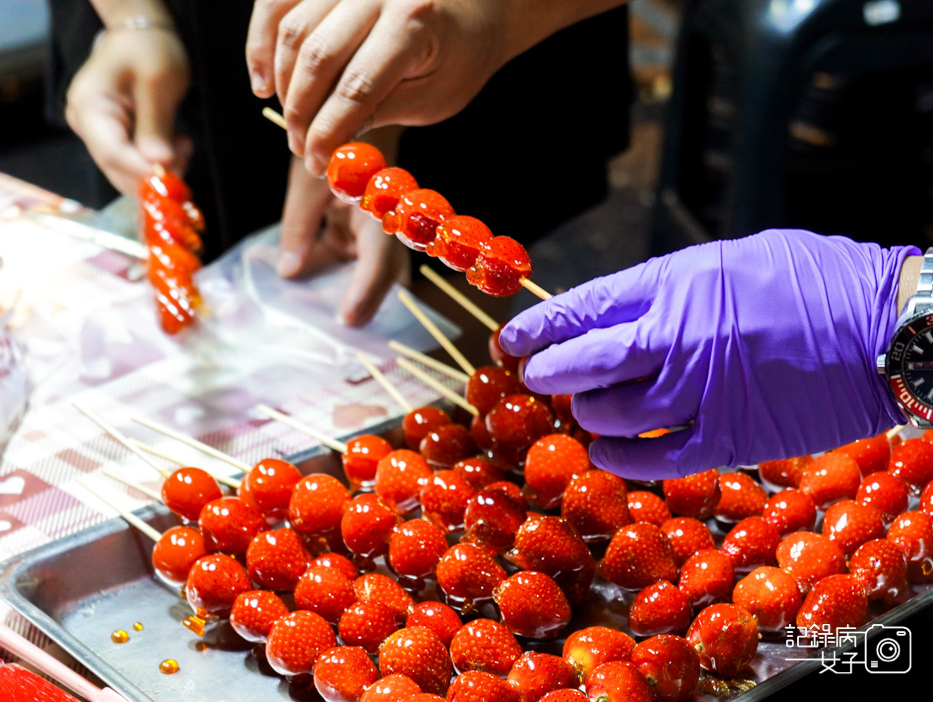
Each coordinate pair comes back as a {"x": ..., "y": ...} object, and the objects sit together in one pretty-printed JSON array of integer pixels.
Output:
[
  {"x": 130, "y": 518},
  {"x": 138, "y": 487},
  {"x": 380, "y": 378},
  {"x": 219, "y": 477},
  {"x": 536, "y": 289},
  {"x": 194, "y": 443},
  {"x": 458, "y": 297},
  {"x": 436, "y": 333},
  {"x": 432, "y": 363},
  {"x": 327, "y": 441},
  {"x": 891, "y": 433},
  {"x": 438, "y": 386},
  {"x": 118, "y": 436},
  {"x": 274, "y": 117}
]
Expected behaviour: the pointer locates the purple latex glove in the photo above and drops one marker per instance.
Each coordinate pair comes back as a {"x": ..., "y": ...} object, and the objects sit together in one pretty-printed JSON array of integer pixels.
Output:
[{"x": 765, "y": 346}]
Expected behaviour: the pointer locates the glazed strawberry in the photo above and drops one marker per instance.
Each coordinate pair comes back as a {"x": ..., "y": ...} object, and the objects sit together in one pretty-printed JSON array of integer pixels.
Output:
[
  {"x": 187, "y": 490},
  {"x": 771, "y": 595},
  {"x": 350, "y": 168},
  {"x": 467, "y": 575},
  {"x": 565, "y": 695},
  {"x": 618, "y": 681},
  {"x": 253, "y": 614},
  {"x": 551, "y": 545},
  {"x": 493, "y": 517},
  {"x": 459, "y": 241},
  {"x": 499, "y": 268},
  {"x": 362, "y": 457},
  {"x": 391, "y": 688},
  {"x": 383, "y": 190},
  {"x": 742, "y": 497},
  {"x": 589, "y": 648},
  {"x": 926, "y": 500},
  {"x": 367, "y": 625},
  {"x": 317, "y": 504},
  {"x": 871, "y": 455},
  {"x": 324, "y": 591},
  {"x": 400, "y": 476},
  {"x": 785, "y": 472},
  {"x": 532, "y": 605},
  {"x": 419, "y": 422},
  {"x": 229, "y": 524},
  {"x": 484, "y": 644},
  {"x": 477, "y": 686},
  {"x": 694, "y": 496},
  {"x": 425, "y": 697},
  {"x": 670, "y": 666},
  {"x": 850, "y": 524},
  {"x": 687, "y": 536},
  {"x": 659, "y": 609},
  {"x": 751, "y": 543},
  {"x": 270, "y": 484},
  {"x": 341, "y": 674},
  {"x": 706, "y": 577},
  {"x": 596, "y": 505},
  {"x": 831, "y": 477},
  {"x": 445, "y": 446},
  {"x": 415, "y": 218},
  {"x": 175, "y": 553},
  {"x": 366, "y": 525},
  {"x": 375, "y": 587},
  {"x": 835, "y": 601},
  {"x": 881, "y": 567},
  {"x": 478, "y": 472},
  {"x": 517, "y": 421},
  {"x": 809, "y": 558},
  {"x": 214, "y": 582},
  {"x": 913, "y": 533},
  {"x": 638, "y": 555},
  {"x": 488, "y": 385},
  {"x": 647, "y": 507},
  {"x": 445, "y": 498},
  {"x": 551, "y": 463},
  {"x": 437, "y": 617},
  {"x": 480, "y": 433},
  {"x": 418, "y": 653},
  {"x": 415, "y": 547},
  {"x": 790, "y": 510},
  {"x": 500, "y": 357},
  {"x": 338, "y": 562},
  {"x": 726, "y": 637},
  {"x": 886, "y": 492},
  {"x": 296, "y": 641},
  {"x": 912, "y": 461},
  {"x": 535, "y": 674},
  {"x": 276, "y": 559}
]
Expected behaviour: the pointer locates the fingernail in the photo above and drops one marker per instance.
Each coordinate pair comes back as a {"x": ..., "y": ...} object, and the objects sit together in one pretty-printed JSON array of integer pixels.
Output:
[
  {"x": 257, "y": 82},
  {"x": 295, "y": 146},
  {"x": 289, "y": 264},
  {"x": 154, "y": 148}
]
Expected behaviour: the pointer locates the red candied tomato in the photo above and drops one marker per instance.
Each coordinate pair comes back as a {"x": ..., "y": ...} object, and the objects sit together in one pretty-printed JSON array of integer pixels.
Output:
[
  {"x": 500, "y": 357},
  {"x": 384, "y": 190},
  {"x": 187, "y": 490},
  {"x": 162, "y": 186},
  {"x": 229, "y": 525},
  {"x": 214, "y": 582},
  {"x": 350, "y": 168},
  {"x": 361, "y": 458},
  {"x": 459, "y": 241},
  {"x": 416, "y": 217},
  {"x": 269, "y": 484},
  {"x": 500, "y": 267},
  {"x": 175, "y": 553},
  {"x": 420, "y": 422}
]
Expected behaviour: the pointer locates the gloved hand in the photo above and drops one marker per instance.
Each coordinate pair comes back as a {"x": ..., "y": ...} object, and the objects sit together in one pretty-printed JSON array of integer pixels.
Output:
[{"x": 764, "y": 346}]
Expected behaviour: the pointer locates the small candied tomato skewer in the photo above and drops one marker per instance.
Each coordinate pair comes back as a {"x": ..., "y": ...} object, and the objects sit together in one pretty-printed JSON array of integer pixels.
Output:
[
  {"x": 416, "y": 218},
  {"x": 185, "y": 491},
  {"x": 384, "y": 190},
  {"x": 350, "y": 169}
]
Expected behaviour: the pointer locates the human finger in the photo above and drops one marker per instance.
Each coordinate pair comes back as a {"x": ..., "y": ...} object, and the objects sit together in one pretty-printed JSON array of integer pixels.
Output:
[
  {"x": 672, "y": 455},
  {"x": 155, "y": 100},
  {"x": 293, "y": 30},
  {"x": 630, "y": 409},
  {"x": 261, "y": 39},
  {"x": 305, "y": 202}
]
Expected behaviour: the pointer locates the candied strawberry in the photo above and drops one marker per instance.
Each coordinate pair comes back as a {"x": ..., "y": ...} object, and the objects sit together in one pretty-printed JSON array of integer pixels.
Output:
[
  {"x": 706, "y": 577},
  {"x": 415, "y": 547},
  {"x": 437, "y": 617},
  {"x": 835, "y": 601},
  {"x": 499, "y": 268},
  {"x": 366, "y": 525},
  {"x": 771, "y": 595},
  {"x": 296, "y": 641},
  {"x": 214, "y": 582},
  {"x": 383, "y": 190},
  {"x": 742, "y": 497},
  {"x": 362, "y": 457},
  {"x": 276, "y": 559},
  {"x": 871, "y": 455},
  {"x": 478, "y": 472},
  {"x": 418, "y": 653},
  {"x": 912, "y": 461},
  {"x": 367, "y": 625},
  {"x": 551, "y": 463},
  {"x": 618, "y": 681},
  {"x": 647, "y": 507},
  {"x": 790, "y": 510},
  {"x": 850, "y": 524},
  {"x": 831, "y": 477},
  {"x": 478, "y": 686},
  {"x": 565, "y": 695},
  {"x": 785, "y": 472},
  {"x": 500, "y": 357},
  {"x": 341, "y": 674},
  {"x": 480, "y": 434},
  {"x": 488, "y": 385},
  {"x": 694, "y": 496},
  {"x": 913, "y": 533},
  {"x": 670, "y": 665},
  {"x": 391, "y": 688},
  {"x": 270, "y": 484},
  {"x": 350, "y": 168},
  {"x": 659, "y": 609},
  {"x": 638, "y": 555},
  {"x": 400, "y": 476},
  {"x": 375, "y": 587},
  {"x": 726, "y": 637},
  {"x": 589, "y": 648},
  {"x": 751, "y": 543},
  {"x": 517, "y": 421},
  {"x": 881, "y": 567},
  {"x": 459, "y": 241},
  {"x": 596, "y": 504},
  {"x": 532, "y": 605},
  {"x": 535, "y": 674},
  {"x": 416, "y": 216},
  {"x": 420, "y": 421},
  {"x": 338, "y": 562},
  {"x": 551, "y": 545},
  {"x": 175, "y": 553},
  {"x": 445, "y": 498},
  {"x": 886, "y": 492},
  {"x": 317, "y": 504},
  {"x": 810, "y": 557},
  {"x": 493, "y": 518},
  {"x": 186, "y": 491},
  {"x": 425, "y": 697},
  {"x": 253, "y": 614},
  {"x": 687, "y": 536},
  {"x": 446, "y": 446},
  {"x": 467, "y": 575},
  {"x": 926, "y": 500},
  {"x": 324, "y": 591},
  {"x": 484, "y": 644},
  {"x": 229, "y": 524}
]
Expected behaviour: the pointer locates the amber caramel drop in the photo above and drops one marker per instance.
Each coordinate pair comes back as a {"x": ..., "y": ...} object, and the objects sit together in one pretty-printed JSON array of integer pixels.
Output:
[
  {"x": 168, "y": 667},
  {"x": 138, "y": 626},
  {"x": 119, "y": 636},
  {"x": 195, "y": 624}
]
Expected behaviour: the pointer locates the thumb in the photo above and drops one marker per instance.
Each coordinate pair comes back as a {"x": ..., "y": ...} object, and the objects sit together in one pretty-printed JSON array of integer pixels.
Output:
[
  {"x": 154, "y": 132},
  {"x": 306, "y": 200}
]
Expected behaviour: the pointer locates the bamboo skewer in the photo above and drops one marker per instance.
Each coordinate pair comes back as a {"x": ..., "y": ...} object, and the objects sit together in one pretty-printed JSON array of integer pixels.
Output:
[
  {"x": 380, "y": 378},
  {"x": 327, "y": 441},
  {"x": 129, "y": 517},
  {"x": 438, "y": 335},
  {"x": 194, "y": 443},
  {"x": 891, "y": 433},
  {"x": 436, "y": 385},
  {"x": 138, "y": 487},
  {"x": 274, "y": 117},
  {"x": 432, "y": 363},
  {"x": 458, "y": 297},
  {"x": 535, "y": 289},
  {"x": 112, "y": 431},
  {"x": 219, "y": 477}
]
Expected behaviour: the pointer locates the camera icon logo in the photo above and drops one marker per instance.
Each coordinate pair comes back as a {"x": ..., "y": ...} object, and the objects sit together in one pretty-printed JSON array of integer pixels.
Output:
[{"x": 888, "y": 649}]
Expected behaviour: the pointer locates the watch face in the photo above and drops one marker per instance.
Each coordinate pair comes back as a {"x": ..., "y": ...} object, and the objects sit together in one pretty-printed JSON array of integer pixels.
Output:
[{"x": 909, "y": 366}]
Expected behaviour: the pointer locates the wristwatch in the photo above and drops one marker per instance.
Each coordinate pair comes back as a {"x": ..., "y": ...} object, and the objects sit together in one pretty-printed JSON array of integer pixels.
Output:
[{"x": 908, "y": 363}]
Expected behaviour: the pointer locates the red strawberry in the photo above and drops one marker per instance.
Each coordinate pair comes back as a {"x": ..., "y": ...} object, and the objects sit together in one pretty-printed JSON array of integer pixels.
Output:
[
  {"x": 296, "y": 641},
  {"x": 810, "y": 557},
  {"x": 535, "y": 674},
  {"x": 437, "y": 617},
  {"x": 687, "y": 536},
  {"x": 926, "y": 500},
  {"x": 175, "y": 553},
  {"x": 367, "y": 625},
  {"x": 253, "y": 614},
  {"x": 881, "y": 567},
  {"x": 400, "y": 476},
  {"x": 391, "y": 688},
  {"x": 477, "y": 686},
  {"x": 415, "y": 547},
  {"x": 913, "y": 533},
  {"x": 187, "y": 490},
  {"x": 383, "y": 589},
  {"x": 831, "y": 477},
  {"x": 726, "y": 637},
  {"x": 418, "y": 423},
  {"x": 659, "y": 609},
  {"x": 338, "y": 562},
  {"x": 445, "y": 446},
  {"x": 786, "y": 472},
  {"x": 317, "y": 504},
  {"x": 565, "y": 695},
  {"x": 596, "y": 504},
  {"x": 361, "y": 458},
  {"x": 445, "y": 498},
  {"x": 618, "y": 681},
  {"x": 551, "y": 463},
  {"x": 871, "y": 455},
  {"x": 647, "y": 507},
  {"x": 694, "y": 496},
  {"x": 671, "y": 666},
  {"x": 835, "y": 601},
  {"x": 425, "y": 697},
  {"x": 741, "y": 497},
  {"x": 771, "y": 595},
  {"x": 790, "y": 510},
  {"x": 488, "y": 385},
  {"x": 341, "y": 674},
  {"x": 552, "y": 546},
  {"x": 214, "y": 582},
  {"x": 324, "y": 591},
  {"x": 532, "y": 605},
  {"x": 229, "y": 524},
  {"x": 270, "y": 484},
  {"x": 751, "y": 543},
  {"x": 484, "y": 644},
  {"x": 493, "y": 518},
  {"x": 850, "y": 524},
  {"x": 912, "y": 461},
  {"x": 638, "y": 555},
  {"x": 586, "y": 649},
  {"x": 366, "y": 525},
  {"x": 707, "y": 577},
  {"x": 276, "y": 559},
  {"x": 418, "y": 653},
  {"x": 478, "y": 472},
  {"x": 467, "y": 575},
  {"x": 517, "y": 421}
]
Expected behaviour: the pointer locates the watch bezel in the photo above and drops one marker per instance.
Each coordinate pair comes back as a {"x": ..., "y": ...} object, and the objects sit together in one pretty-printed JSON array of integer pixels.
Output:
[{"x": 893, "y": 365}]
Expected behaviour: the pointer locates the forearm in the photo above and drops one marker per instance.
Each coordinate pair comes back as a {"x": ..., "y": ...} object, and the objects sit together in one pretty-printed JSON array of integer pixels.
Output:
[
  {"x": 116, "y": 13},
  {"x": 907, "y": 283}
]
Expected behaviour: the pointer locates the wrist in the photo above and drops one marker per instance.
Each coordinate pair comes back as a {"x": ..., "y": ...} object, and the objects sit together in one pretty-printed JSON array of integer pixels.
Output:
[
  {"x": 907, "y": 281},
  {"x": 133, "y": 14}
]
